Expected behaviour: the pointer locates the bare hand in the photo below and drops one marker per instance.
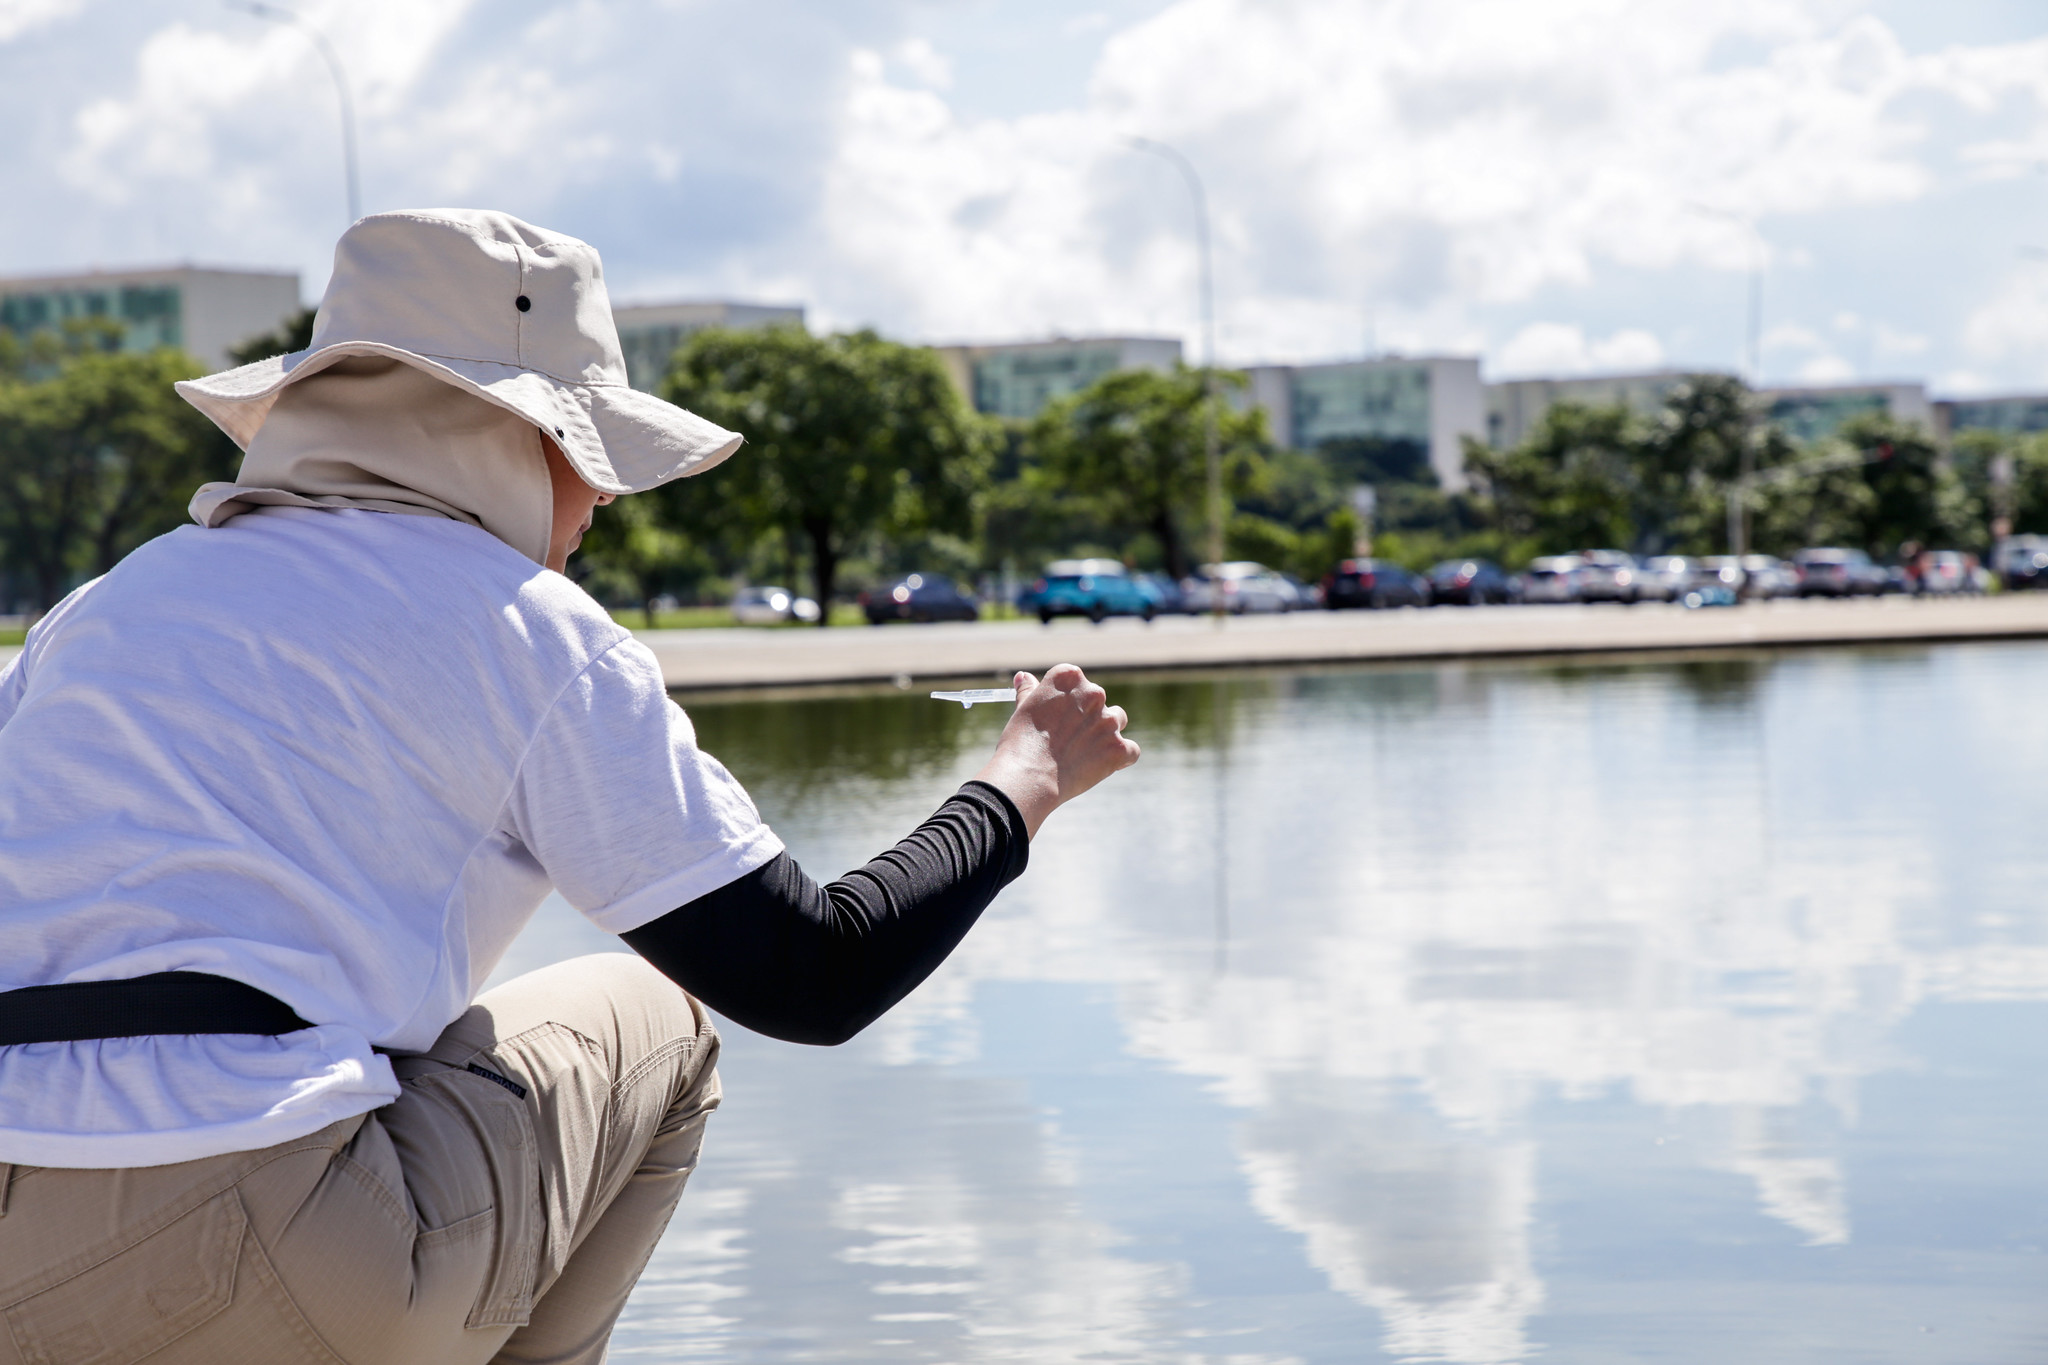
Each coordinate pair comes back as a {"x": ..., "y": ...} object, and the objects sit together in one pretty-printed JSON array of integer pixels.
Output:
[{"x": 1062, "y": 739}]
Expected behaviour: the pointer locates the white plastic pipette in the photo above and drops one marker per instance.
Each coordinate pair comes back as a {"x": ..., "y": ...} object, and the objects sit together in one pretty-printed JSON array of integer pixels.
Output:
[{"x": 975, "y": 694}]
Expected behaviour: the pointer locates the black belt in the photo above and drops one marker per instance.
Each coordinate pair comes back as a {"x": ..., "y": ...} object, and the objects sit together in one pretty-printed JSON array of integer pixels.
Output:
[{"x": 162, "y": 1002}]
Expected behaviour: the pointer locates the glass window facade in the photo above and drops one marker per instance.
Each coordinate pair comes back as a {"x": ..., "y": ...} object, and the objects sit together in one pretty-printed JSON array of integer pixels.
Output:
[
  {"x": 1019, "y": 383},
  {"x": 150, "y": 315},
  {"x": 1998, "y": 414},
  {"x": 649, "y": 349},
  {"x": 1384, "y": 402},
  {"x": 1810, "y": 416}
]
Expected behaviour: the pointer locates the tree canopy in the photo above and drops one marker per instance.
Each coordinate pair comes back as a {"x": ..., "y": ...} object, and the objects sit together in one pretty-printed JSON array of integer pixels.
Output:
[
  {"x": 1132, "y": 448},
  {"x": 97, "y": 454},
  {"x": 848, "y": 437}
]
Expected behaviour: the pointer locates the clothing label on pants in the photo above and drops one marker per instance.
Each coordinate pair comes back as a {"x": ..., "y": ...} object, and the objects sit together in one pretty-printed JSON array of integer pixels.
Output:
[{"x": 489, "y": 1075}]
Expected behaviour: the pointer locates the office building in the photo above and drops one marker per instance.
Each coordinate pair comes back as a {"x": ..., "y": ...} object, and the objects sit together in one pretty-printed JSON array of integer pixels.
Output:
[
  {"x": 1803, "y": 412},
  {"x": 201, "y": 309},
  {"x": 2012, "y": 415},
  {"x": 1427, "y": 404},
  {"x": 1017, "y": 379},
  {"x": 1515, "y": 406},
  {"x": 1809, "y": 413},
  {"x": 650, "y": 332}
]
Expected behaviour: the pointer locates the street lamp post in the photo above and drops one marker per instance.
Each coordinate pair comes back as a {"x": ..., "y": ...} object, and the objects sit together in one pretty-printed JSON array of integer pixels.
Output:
[
  {"x": 326, "y": 50},
  {"x": 1212, "y": 453},
  {"x": 1753, "y": 364}
]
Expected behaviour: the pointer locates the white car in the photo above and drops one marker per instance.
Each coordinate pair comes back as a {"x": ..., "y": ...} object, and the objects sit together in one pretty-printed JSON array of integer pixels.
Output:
[
  {"x": 771, "y": 606},
  {"x": 1246, "y": 587},
  {"x": 1553, "y": 578},
  {"x": 1665, "y": 578}
]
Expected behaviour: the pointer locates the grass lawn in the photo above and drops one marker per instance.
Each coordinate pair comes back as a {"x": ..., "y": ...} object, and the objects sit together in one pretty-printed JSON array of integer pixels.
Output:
[
  {"x": 12, "y": 637},
  {"x": 701, "y": 618}
]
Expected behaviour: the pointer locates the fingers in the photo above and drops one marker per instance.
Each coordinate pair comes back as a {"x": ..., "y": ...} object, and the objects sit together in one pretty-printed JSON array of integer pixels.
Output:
[{"x": 1117, "y": 715}]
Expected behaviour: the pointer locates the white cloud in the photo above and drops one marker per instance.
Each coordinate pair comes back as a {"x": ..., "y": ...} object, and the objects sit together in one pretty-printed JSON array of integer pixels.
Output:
[
  {"x": 1431, "y": 163},
  {"x": 2011, "y": 327},
  {"x": 24, "y": 16},
  {"x": 1451, "y": 176},
  {"x": 1826, "y": 369},
  {"x": 925, "y": 63},
  {"x": 1559, "y": 348}
]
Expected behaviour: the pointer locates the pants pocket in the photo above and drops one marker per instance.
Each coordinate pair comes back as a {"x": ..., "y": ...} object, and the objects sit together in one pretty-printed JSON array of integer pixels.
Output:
[
  {"x": 140, "y": 1297},
  {"x": 507, "y": 1217}
]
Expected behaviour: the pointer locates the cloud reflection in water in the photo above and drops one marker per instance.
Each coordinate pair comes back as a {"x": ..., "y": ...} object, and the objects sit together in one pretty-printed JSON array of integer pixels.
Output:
[{"x": 1509, "y": 948}]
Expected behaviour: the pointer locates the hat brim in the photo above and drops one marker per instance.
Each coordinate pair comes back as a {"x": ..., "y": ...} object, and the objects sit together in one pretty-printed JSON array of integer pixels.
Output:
[{"x": 618, "y": 439}]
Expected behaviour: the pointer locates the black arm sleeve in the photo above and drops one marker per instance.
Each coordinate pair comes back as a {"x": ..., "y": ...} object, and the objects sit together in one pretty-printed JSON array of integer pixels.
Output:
[{"x": 786, "y": 957}]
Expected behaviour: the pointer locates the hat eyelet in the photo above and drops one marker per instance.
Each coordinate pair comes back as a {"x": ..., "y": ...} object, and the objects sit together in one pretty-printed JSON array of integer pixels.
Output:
[
  {"x": 560, "y": 433},
  {"x": 522, "y": 303}
]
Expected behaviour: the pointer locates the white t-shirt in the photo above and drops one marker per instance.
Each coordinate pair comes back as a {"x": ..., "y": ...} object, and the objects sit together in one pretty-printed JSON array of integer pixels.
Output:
[{"x": 340, "y": 756}]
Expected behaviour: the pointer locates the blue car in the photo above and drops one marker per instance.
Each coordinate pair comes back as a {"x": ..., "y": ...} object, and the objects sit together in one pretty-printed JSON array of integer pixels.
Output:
[{"x": 1094, "y": 588}]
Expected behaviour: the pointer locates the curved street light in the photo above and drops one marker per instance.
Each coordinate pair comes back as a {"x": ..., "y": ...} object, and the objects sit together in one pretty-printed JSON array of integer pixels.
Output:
[
  {"x": 1208, "y": 305},
  {"x": 278, "y": 14},
  {"x": 1738, "y": 491}
]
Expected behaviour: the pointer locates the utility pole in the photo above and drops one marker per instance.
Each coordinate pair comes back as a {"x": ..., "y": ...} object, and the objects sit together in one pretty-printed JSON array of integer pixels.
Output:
[
  {"x": 278, "y": 14},
  {"x": 1212, "y": 452}
]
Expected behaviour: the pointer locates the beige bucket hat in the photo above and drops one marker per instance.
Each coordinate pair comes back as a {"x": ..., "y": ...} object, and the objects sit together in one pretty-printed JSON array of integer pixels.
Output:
[{"x": 512, "y": 313}]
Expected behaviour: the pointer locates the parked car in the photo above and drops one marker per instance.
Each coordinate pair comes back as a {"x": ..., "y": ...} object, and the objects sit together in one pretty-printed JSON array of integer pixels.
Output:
[
  {"x": 1836, "y": 572},
  {"x": 2022, "y": 561},
  {"x": 771, "y": 606},
  {"x": 1751, "y": 576},
  {"x": 1306, "y": 595},
  {"x": 1164, "y": 590},
  {"x": 1666, "y": 578},
  {"x": 920, "y": 597},
  {"x": 1469, "y": 582},
  {"x": 1094, "y": 588},
  {"x": 1606, "y": 576},
  {"x": 1242, "y": 586},
  {"x": 1552, "y": 578},
  {"x": 1709, "y": 592},
  {"x": 1947, "y": 572},
  {"x": 1373, "y": 583},
  {"x": 1769, "y": 576}
]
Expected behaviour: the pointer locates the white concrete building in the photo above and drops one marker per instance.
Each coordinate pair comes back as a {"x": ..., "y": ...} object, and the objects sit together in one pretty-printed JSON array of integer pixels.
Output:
[
  {"x": 1804, "y": 412},
  {"x": 206, "y": 310},
  {"x": 1807, "y": 413},
  {"x": 1017, "y": 379},
  {"x": 1428, "y": 403},
  {"x": 650, "y": 332},
  {"x": 1515, "y": 406}
]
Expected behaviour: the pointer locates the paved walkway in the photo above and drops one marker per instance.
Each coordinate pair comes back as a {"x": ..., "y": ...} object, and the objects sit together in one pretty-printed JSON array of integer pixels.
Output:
[{"x": 989, "y": 651}]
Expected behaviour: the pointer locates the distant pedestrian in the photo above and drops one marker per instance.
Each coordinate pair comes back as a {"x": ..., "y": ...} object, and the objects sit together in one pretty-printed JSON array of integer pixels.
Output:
[{"x": 278, "y": 791}]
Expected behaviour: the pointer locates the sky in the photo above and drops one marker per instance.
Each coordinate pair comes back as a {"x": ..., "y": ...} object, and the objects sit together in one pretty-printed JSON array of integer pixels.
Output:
[{"x": 1557, "y": 186}]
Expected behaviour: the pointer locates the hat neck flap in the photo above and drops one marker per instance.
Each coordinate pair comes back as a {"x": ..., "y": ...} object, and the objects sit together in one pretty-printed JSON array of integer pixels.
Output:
[{"x": 374, "y": 433}]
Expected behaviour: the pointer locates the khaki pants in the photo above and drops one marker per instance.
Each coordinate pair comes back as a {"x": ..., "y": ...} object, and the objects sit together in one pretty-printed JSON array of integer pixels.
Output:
[{"x": 459, "y": 1223}]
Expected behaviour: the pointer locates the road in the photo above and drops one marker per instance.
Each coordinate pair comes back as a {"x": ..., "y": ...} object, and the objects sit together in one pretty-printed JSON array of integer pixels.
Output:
[
  {"x": 989, "y": 651},
  {"x": 696, "y": 660}
]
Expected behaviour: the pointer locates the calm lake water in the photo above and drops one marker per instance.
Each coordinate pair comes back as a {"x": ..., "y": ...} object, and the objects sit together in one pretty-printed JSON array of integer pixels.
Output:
[{"x": 1680, "y": 1011}]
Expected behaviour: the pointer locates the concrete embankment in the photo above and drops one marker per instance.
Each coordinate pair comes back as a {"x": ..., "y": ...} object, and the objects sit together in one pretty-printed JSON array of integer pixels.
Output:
[
  {"x": 989, "y": 651},
  {"x": 697, "y": 660}
]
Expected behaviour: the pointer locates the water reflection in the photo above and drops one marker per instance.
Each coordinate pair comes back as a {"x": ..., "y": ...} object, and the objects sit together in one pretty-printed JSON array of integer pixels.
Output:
[{"x": 1679, "y": 1009}]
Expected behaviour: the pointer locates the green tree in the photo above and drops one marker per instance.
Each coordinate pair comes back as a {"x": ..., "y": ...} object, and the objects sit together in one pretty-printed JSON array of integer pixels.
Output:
[
  {"x": 97, "y": 454},
  {"x": 849, "y": 438},
  {"x": 295, "y": 333},
  {"x": 1572, "y": 481},
  {"x": 629, "y": 552},
  {"x": 1877, "y": 485},
  {"x": 1131, "y": 447}
]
